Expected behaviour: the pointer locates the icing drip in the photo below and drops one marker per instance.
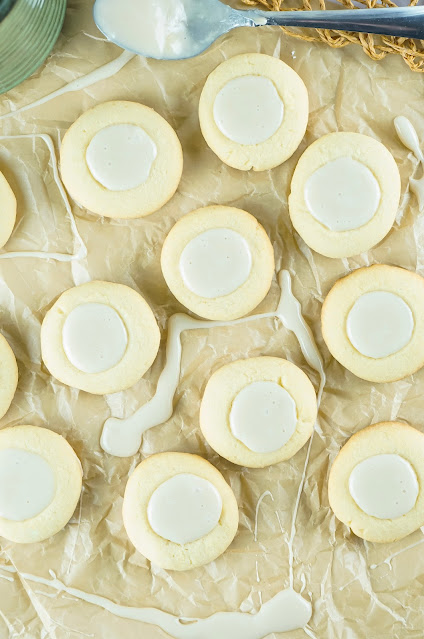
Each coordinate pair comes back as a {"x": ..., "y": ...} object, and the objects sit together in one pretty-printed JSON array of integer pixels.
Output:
[
  {"x": 409, "y": 138},
  {"x": 388, "y": 560},
  {"x": 102, "y": 73},
  {"x": 60, "y": 257},
  {"x": 287, "y": 610},
  {"x": 122, "y": 437}
]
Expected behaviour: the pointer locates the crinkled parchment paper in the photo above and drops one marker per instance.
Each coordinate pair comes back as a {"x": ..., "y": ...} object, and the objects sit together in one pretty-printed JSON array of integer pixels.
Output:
[{"x": 348, "y": 92}]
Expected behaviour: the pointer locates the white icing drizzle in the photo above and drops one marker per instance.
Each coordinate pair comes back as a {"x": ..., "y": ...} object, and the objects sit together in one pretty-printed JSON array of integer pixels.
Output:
[
  {"x": 267, "y": 493},
  {"x": 122, "y": 437},
  {"x": 409, "y": 138},
  {"x": 286, "y": 611},
  {"x": 6, "y": 577},
  {"x": 388, "y": 560},
  {"x": 101, "y": 73},
  {"x": 60, "y": 257}
]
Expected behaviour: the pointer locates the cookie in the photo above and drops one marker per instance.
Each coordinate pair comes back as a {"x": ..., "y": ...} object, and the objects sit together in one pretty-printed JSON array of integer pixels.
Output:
[
  {"x": 373, "y": 322},
  {"x": 344, "y": 194},
  {"x": 218, "y": 262},
  {"x": 259, "y": 411},
  {"x": 8, "y": 376},
  {"x": 253, "y": 111},
  {"x": 376, "y": 482},
  {"x": 121, "y": 160},
  {"x": 40, "y": 483},
  {"x": 179, "y": 511},
  {"x": 99, "y": 337},
  {"x": 8, "y": 210}
]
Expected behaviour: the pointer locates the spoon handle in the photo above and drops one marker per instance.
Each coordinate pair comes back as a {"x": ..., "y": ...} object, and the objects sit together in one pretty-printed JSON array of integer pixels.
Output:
[{"x": 407, "y": 22}]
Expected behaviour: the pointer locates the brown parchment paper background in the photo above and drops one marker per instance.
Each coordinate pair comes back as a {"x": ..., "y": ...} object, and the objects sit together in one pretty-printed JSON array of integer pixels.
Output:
[{"x": 348, "y": 92}]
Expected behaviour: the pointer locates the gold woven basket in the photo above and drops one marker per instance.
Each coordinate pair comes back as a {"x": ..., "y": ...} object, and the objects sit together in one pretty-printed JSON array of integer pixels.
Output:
[{"x": 376, "y": 47}]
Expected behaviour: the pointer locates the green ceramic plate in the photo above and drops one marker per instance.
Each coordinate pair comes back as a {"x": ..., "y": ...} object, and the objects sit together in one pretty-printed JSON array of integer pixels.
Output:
[{"x": 28, "y": 31}]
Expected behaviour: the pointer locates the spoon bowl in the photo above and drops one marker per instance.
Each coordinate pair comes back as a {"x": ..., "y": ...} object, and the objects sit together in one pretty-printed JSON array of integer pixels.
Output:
[
  {"x": 178, "y": 29},
  {"x": 167, "y": 29}
]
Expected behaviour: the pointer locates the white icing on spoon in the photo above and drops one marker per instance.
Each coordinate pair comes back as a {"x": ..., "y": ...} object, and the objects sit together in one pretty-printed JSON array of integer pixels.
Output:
[
  {"x": 122, "y": 437},
  {"x": 60, "y": 257},
  {"x": 101, "y": 73},
  {"x": 409, "y": 138},
  {"x": 286, "y": 611}
]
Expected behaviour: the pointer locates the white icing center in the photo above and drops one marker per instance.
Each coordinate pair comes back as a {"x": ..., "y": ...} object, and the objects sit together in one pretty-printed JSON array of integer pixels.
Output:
[
  {"x": 215, "y": 263},
  {"x": 248, "y": 109},
  {"x": 379, "y": 324},
  {"x": 263, "y": 416},
  {"x": 184, "y": 508},
  {"x": 27, "y": 484},
  {"x": 342, "y": 195},
  {"x": 121, "y": 156},
  {"x": 384, "y": 486},
  {"x": 94, "y": 337}
]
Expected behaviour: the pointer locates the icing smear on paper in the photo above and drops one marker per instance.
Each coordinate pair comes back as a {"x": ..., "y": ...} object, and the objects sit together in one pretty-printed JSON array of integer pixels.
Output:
[
  {"x": 286, "y": 611},
  {"x": 101, "y": 73},
  {"x": 122, "y": 437},
  {"x": 60, "y": 257},
  {"x": 409, "y": 138}
]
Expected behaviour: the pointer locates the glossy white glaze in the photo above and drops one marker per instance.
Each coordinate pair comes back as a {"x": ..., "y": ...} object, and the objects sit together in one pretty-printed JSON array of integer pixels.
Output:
[
  {"x": 384, "y": 486},
  {"x": 263, "y": 416},
  {"x": 83, "y": 82},
  {"x": 215, "y": 263},
  {"x": 27, "y": 484},
  {"x": 342, "y": 195},
  {"x": 409, "y": 138},
  {"x": 248, "y": 109},
  {"x": 94, "y": 337},
  {"x": 121, "y": 156},
  {"x": 81, "y": 252},
  {"x": 156, "y": 28},
  {"x": 184, "y": 508},
  {"x": 379, "y": 324},
  {"x": 286, "y": 611}
]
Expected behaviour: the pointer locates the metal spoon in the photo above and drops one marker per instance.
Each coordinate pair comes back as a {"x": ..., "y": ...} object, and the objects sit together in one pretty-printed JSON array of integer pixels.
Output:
[{"x": 206, "y": 20}]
